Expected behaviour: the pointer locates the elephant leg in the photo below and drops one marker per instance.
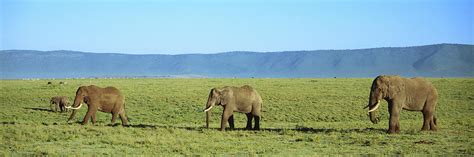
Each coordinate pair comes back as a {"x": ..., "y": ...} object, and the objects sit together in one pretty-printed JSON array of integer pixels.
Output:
[
  {"x": 249, "y": 121},
  {"x": 93, "y": 116},
  {"x": 231, "y": 121},
  {"x": 52, "y": 107},
  {"x": 123, "y": 118},
  {"x": 394, "y": 125},
  {"x": 427, "y": 117},
  {"x": 114, "y": 117},
  {"x": 257, "y": 123},
  {"x": 56, "y": 108},
  {"x": 433, "y": 124},
  {"x": 90, "y": 112},
  {"x": 430, "y": 107},
  {"x": 225, "y": 117},
  {"x": 87, "y": 117}
]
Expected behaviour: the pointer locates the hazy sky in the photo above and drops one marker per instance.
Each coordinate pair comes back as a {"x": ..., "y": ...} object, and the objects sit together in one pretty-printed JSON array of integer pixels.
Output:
[{"x": 210, "y": 26}]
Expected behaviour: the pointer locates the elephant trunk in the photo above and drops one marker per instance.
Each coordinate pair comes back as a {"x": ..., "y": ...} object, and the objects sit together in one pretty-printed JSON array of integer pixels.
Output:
[
  {"x": 373, "y": 117},
  {"x": 77, "y": 103},
  {"x": 209, "y": 105},
  {"x": 373, "y": 107},
  {"x": 72, "y": 115},
  {"x": 75, "y": 106}
]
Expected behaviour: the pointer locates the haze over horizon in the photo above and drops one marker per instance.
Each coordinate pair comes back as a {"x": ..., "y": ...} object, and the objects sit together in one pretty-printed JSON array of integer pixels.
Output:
[{"x": 184, "y": 27}]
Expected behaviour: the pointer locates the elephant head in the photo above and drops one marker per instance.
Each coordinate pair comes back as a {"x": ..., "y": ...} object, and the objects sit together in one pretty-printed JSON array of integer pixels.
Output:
[
  {"x": 383, "y": 87},
  {"x": 82, "y": 95},
  {"x": 52, "y": 101},
  {"x": 216, "y": 97},
  {"x": 53, "y": 104}
]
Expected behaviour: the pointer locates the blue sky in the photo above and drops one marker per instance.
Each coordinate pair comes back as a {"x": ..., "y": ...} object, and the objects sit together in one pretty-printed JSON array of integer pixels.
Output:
[{"x": 211, "y": 26}]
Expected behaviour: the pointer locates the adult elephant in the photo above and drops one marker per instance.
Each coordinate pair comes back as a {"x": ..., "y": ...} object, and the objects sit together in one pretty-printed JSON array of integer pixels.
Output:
[
  {"x": 241, "y": 99},
  {"x": 59, "y": 103},
  {"x": 413, "y": 94},
  {"x": 108, "y": 100}
]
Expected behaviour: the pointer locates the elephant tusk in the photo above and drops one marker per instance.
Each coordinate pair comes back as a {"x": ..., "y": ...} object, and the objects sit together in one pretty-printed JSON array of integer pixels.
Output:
[
  {"x": 70, "y": 107},
  {"x": 208, "y": 109},
  {"x": 376, "y": 106}
]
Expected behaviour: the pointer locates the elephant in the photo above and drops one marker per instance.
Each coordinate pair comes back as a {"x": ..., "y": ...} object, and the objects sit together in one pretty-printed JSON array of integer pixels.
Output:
[
  {"x": 241, "y": 99},
  {"x": 60, "y": 102},
  {"x": 412, "y": 94},
  {"x": 108, "y": 100}
]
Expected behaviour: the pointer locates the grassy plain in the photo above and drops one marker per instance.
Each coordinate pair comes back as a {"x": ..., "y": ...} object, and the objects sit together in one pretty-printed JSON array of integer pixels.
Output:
[{"x": 301, "y": 117}]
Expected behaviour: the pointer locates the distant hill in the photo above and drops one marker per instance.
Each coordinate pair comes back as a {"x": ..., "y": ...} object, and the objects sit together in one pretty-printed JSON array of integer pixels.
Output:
[{"x": 441, "y": 60}]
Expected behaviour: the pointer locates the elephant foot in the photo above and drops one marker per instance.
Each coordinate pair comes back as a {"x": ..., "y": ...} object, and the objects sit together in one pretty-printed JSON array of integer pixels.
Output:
[
  {"x": 432, "y": 129},
  {"x": 114, "y": 124},
  {"x": 393, "y": 131}
]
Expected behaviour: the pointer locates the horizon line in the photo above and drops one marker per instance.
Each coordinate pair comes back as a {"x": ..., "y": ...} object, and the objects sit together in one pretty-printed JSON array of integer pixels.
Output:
[{"x": 238, "y": 50}]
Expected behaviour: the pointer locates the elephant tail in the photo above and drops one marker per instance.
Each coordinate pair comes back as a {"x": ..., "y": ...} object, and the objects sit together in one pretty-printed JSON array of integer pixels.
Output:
[{"x": 126, "y": 115}]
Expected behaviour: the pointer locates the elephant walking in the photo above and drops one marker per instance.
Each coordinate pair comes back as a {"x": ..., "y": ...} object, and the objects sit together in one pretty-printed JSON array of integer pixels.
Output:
[
  {"x": 241, "y": 99},
  {"x": 109, "y": 100},
  {"x": 414, "y": 94}
]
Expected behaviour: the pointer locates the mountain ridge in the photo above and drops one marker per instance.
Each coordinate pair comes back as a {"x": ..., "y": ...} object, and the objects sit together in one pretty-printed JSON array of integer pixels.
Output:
[{"x": 438, "y": 60}]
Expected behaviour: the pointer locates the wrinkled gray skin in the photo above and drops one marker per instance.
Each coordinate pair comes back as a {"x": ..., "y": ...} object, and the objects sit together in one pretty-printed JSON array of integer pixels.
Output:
[
  {"x": 412, "y": 94},
  {"x": 235, "y": 99},
  {"x": 59, "y": 103},
  {"x": 108, "y": 100}
]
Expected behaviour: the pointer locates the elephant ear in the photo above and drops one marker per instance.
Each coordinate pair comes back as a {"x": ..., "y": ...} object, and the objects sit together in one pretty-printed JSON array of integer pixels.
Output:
[
  {"x": 225, "y": 96},
  {"x": 86, "y": 99},
  {"x": 396, "y": 86},
  {"x": 87, "y": 90},
  {"x": 383, "y": 83}
]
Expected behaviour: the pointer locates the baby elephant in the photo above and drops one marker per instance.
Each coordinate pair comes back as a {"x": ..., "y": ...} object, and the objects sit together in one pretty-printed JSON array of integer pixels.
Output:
[{"x": 59, "y": 102}]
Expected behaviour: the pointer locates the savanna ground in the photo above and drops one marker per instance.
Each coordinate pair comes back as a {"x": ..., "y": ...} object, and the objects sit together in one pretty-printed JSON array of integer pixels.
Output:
[{"x": 300, "y": 117}]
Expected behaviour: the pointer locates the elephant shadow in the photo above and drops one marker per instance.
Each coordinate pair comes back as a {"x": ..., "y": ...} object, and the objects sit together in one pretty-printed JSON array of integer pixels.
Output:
[
  {"x": 322, "y": 130},
  {"x": 38, "y": 109},
  {"x": 277, "y": 130},
  {"x": 161, "y": 126}
]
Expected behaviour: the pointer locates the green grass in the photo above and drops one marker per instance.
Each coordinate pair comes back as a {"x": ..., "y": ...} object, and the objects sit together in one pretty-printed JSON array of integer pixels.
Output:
[{"x": 300, "y": 117}]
